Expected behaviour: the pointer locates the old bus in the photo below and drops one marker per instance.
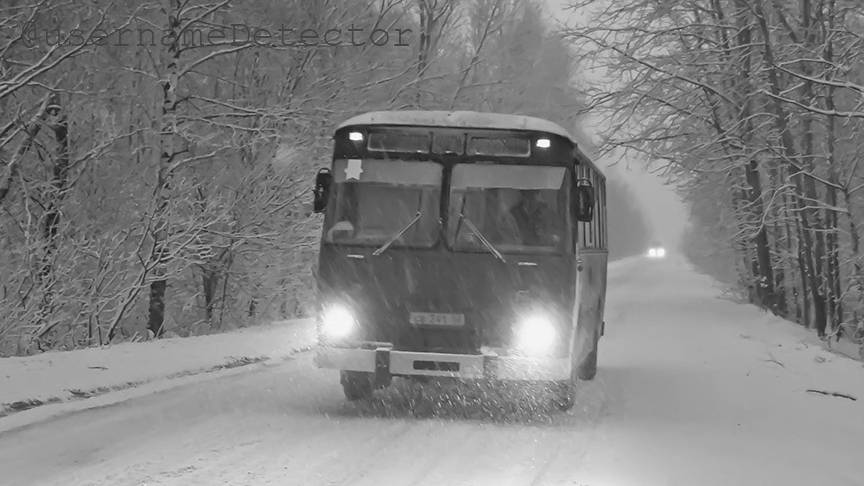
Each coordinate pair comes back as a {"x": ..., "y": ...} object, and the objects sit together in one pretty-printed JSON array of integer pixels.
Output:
[{"x": 460, "y": 244}]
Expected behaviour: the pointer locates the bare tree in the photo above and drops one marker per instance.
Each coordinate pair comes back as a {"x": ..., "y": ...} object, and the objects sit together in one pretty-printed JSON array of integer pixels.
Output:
[{"x": 750, "y": 89}]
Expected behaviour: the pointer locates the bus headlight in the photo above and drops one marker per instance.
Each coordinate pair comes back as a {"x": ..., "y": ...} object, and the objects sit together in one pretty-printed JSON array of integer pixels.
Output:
[
  {"x": 535, "y": 334},
  {"x": 337, "y": 322}
]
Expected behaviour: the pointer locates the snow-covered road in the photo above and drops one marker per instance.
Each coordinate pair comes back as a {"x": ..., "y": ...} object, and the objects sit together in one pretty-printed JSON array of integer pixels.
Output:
[{"x": 692, "y": 390}]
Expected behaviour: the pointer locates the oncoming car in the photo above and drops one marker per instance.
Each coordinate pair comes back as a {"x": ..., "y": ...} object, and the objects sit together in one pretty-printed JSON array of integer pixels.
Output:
[{"x": 656, "y": 250}]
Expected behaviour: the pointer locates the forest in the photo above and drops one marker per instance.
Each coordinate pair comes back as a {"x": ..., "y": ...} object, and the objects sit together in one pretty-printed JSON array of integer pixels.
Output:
[
  {"x": 753, "y": 108},
  {"x": 156, "y": 158}
]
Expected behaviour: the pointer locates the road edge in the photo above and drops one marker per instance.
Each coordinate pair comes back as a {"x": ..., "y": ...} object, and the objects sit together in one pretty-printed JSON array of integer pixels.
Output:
[{"x": 77, "y": 401}]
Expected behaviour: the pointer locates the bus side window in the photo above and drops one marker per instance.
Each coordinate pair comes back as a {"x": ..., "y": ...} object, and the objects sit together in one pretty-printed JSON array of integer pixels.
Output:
[
  {"x": 592, "y": 230},
  {"x": 579, "y": 226},
  {"x": 588, "y": 235},
  {"x": 598, "y": 213},
  {"x": 602, "y": 205},
  {"x": 595, "y": 222}
]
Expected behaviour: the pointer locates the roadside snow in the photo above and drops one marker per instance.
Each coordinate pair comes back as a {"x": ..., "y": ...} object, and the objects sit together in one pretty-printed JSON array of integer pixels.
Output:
[
  {"x": 52, "y": 377},
  {"x": 847, "y": 348}
]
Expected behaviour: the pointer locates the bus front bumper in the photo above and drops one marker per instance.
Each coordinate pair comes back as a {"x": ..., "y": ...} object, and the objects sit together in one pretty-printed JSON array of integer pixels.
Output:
[{"x": 387, "y": 362}]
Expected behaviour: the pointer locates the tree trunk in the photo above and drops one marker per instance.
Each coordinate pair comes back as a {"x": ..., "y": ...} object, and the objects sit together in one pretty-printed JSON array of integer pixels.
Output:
[
  {"x": 209, "y": 283},
  {"x": 167, "y": 151},
  {"x": 51, "y": 220},
  {"x": 804, "y": 214},
  {"x": 60, "y": 172},
  {"x": 764, "y": 272},
  {"x": 833, "y": 248},
  {"x": 157, "y": 307},
  {"x": 11, "y": 168},
  {"x": 434, "y": 16},
  {"x": 854, "y": 248},
  {"x": 780, "y": 291},
  {"x": 803, "y": 269}
]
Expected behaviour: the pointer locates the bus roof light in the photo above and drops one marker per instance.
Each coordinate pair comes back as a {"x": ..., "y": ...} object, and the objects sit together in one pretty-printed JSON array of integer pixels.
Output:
[
  {"x": 355, "y": 136},
  {"x": 543, "y": 143}
]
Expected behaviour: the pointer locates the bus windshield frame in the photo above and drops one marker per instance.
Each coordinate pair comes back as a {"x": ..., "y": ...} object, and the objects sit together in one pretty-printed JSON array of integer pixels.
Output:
[
  {"x": 374, "y": 199},
  {"x": 452, "y": 147},
  {"x": 519, "y": 209}
]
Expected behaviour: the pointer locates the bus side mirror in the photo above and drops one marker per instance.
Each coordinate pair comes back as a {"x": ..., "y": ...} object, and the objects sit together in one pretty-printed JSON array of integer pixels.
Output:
[
  {"x": 321, "y": 191},
  {"x": 583, "y": 203}
]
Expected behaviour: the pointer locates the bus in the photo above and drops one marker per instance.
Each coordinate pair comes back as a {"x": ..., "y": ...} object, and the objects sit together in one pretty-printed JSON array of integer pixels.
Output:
[{"x": 460, "y": 245}]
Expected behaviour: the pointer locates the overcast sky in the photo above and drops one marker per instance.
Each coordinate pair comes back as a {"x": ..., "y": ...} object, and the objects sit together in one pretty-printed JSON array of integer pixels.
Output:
[{"x": 664, "y": 210}]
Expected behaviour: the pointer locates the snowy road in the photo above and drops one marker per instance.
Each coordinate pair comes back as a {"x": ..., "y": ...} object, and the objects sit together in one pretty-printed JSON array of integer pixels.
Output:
[{"x": 692, "y": 390}]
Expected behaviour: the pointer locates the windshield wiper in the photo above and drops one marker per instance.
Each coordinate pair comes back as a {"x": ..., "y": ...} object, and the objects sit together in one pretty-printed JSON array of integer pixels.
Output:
[
  {"x": 398, "y": 235},
  {"x": 489, "y": 246}
]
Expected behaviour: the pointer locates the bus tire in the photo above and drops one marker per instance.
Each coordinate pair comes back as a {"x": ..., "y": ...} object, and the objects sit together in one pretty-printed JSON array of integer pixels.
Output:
[
  {"x": 564, "y": 394},
  {"x": 356, "y": 385},
  {"x": 587, "y": 369}
]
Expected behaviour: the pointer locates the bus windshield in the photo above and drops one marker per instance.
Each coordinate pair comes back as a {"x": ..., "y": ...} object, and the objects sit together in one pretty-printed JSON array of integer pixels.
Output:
[
  {"x": 374, "y": 200},
  {"x": 517, "y": 208}
]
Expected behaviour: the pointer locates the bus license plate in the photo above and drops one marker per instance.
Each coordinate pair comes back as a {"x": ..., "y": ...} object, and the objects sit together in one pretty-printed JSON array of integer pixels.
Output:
[{"x": 436, "y": 319}]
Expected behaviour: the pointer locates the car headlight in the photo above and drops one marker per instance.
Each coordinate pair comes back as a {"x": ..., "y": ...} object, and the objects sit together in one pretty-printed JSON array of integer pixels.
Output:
[
  {"x": 661, "y": 252},
  {"x": 652, "y": 252},
  {"x": 337, "y": 322},
  {"x": 535, "y": 334}
]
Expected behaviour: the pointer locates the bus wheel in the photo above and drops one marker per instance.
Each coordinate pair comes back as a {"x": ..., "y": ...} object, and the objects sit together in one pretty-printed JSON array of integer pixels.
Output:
[
  {"x": 356, "y": 385},
  {"x": 564, "y": 394},
  {"x": 587, "y": 369}
]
